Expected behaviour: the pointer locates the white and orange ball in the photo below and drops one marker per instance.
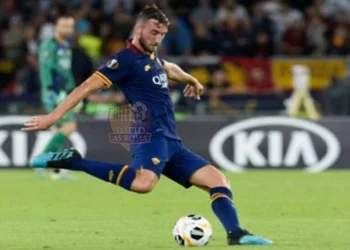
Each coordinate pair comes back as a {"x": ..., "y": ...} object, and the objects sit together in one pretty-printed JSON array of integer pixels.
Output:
[{"x": 192, "y": 231}]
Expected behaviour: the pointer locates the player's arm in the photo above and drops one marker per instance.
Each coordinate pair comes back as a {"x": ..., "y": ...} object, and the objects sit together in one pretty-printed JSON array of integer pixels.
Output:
[
  {"x": 42, "y": 122},
  {"x": 116, "y": 70},
  {"x": 89, "y": 86},
  {"x": 112, "y": 97},
  {"x": 175, "y": 73}
]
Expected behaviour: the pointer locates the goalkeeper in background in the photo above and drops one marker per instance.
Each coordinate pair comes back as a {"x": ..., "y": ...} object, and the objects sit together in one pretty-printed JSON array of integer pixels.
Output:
[{"x": 57, "y": 81}]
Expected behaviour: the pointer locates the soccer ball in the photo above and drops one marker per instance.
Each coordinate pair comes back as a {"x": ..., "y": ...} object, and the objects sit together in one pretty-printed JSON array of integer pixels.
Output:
[{"x": 192, "y": 231}]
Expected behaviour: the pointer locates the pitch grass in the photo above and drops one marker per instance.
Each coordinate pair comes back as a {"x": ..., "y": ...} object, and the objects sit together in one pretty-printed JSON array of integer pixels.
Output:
[{"x": 295, "y": 209}]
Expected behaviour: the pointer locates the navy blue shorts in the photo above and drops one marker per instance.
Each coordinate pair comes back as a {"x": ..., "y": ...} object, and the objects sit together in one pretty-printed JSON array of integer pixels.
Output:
[{"x": 169, "y": 157}]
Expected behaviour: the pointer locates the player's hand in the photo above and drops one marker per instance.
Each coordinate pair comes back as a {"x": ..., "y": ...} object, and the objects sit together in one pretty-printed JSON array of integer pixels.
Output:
[
  {"x": 194, "y": 91},
  {"x": 40, "y": 122}
]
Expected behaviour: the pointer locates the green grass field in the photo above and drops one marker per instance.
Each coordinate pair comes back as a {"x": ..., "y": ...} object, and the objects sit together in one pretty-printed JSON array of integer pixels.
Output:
[{"x": 295, "y": 209}]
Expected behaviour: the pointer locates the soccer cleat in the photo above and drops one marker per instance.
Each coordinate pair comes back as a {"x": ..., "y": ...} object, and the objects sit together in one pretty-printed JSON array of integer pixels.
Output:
[
  {"x": 55, "y": 160},
  {"x": 246, "y": 238}
]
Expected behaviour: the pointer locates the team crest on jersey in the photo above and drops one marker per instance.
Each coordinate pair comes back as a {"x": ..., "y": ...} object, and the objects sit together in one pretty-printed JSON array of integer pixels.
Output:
[
  {"x": 147, "y": 67},
  {"x": 155, "y": 161},
  {"x": 112, "y": 64}
]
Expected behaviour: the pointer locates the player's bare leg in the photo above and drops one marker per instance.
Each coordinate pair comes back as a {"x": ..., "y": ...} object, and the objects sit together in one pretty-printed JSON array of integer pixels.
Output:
[
  {"x": 144, "y": 182},
  {"x": 213, "y": 181}
]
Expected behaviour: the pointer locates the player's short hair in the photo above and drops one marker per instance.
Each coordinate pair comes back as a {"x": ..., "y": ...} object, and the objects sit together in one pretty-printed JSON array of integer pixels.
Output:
[
  {"x": 153, "y": 12},
  {"x": 63, "y": 16}
]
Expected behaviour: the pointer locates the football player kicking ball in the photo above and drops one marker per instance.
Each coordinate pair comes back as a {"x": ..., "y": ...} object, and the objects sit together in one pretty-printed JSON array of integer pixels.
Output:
[{"x": 143, "y": 77}]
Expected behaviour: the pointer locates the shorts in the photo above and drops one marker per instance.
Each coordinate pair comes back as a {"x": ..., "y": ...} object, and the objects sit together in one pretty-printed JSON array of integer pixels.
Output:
[
  {"x": 68, "y": 118},
  {"x": 169, "y": 157}
]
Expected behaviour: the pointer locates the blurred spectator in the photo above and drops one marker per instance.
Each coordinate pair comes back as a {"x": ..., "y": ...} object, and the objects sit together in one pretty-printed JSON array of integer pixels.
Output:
[
  {"x": 82, "y": 65},
  {"x": 110, "y": 6},
  {"x": 259, "y": 83},
  {"x": 253, "y": 35},
  {"x": 30, "y": 71},
  {"x": 122, "y": 23},
  {"x": 237, "y": 39},
  {"x": 263, "y": 45},
  {"x": 227, "y": 38},
  {"x": 217, "y": 89},
  {"x": 81, "y": 21},
  {"x": 203, "y": 42},
  {"x": 316, "y": 32},
  {"x": 111, "y": 41},
  {"x": 283, "y": 17},
  {"x": 261, "y": 21},
  {"x": 47, "y": 30},
  {"x": 27, "y": 77},
  {"x": 342, "y": 18},
  {"x": 245, "y": 37},
  {"x": 179, "y": 39},
  {"x": 336, "y": 97},
  {"x": 90, "y": 43},
  {"x": 230, "y": 9},
  {"x": 45, "y": 5},
  {"x": 301, "y": 4},
  {"x": 262, "y": 29},
  {"x": 294, "y": 39},
  {"x": 331, "y": 8},
  {"x": 203, "y": 14},
  {"x": 200, "y": 27},
  {"x": 13, "y": 39},
  {"x": 272, "y": 7},
  {"x": 31, "y": 46},
  {"x": 219, "y": 85},
  {"x": 339, "y": 40},
  {"x": 8, "y": 8}
]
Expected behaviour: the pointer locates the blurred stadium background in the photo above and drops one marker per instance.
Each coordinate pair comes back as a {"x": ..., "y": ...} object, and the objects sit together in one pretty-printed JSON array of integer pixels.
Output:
[{"x": 252, "y": 116}]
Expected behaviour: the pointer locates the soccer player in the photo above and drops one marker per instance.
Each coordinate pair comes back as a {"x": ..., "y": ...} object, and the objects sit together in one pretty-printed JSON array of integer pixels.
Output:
[
  {"x": 143, "y": 77},
  {"x": 55, "y": 59}
]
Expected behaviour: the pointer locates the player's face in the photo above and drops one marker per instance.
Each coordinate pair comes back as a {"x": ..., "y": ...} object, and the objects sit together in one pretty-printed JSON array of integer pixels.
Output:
[
  {"x": 65, "y": 27},
  {"x": 152, "y": 34}
]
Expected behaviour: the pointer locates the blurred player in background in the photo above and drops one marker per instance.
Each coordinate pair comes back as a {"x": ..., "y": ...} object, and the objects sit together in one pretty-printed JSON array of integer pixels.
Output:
[
  {"x": 57, "y": 80},
  {"x": 143, "y": 76}
]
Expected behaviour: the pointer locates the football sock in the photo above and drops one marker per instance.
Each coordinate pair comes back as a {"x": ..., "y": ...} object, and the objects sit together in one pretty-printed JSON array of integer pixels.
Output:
[
  {"x": 55, "y": 143},
  {"x": 222, "y": 205},
  {"x": 115, "y": 173}
]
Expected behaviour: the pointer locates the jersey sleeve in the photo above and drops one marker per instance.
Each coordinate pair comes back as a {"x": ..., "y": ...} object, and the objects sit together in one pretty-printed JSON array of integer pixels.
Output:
[{"x": 115, "y": 70}]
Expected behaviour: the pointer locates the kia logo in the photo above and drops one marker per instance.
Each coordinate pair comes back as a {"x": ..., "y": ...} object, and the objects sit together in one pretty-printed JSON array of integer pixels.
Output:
[
  {"x": 20, "y": 152},
  {"x": 249, "y": 134}
]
